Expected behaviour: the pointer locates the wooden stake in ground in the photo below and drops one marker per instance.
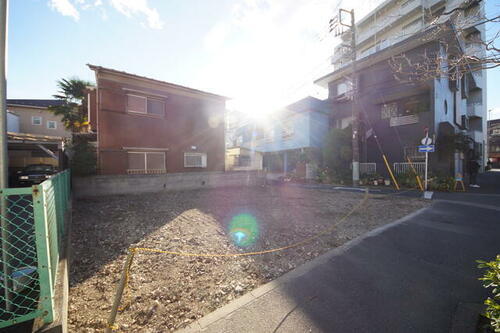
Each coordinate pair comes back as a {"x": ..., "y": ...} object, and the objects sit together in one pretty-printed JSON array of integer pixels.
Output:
[{"x": 119, "y": 291}]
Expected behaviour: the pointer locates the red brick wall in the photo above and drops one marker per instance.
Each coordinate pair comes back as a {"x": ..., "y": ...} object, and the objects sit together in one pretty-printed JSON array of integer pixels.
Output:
[{"x": 188, "y": 121}]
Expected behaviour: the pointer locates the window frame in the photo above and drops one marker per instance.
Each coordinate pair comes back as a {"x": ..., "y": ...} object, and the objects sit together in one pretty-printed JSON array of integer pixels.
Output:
[
  {"x": 52, "y": 122},
  {"x": 33, "y": 120},
  {"x": 204, "y": 159},
  {"x": 146, "y": 99},
  {"x": 288, "y": 129},
  {"x": 145, "y": 170}
]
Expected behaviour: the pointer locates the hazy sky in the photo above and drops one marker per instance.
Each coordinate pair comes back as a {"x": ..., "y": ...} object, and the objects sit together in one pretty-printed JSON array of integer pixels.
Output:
[{"x": 261, "y": 53}]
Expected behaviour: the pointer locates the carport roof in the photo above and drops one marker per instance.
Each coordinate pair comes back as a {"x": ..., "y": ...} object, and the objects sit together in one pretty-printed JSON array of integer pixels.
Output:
[{"x": 32, "y": 138}]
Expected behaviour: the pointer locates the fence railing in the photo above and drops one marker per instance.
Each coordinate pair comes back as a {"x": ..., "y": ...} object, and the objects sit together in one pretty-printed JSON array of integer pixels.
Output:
[
  {"x": 32, "y": 229},
  {"x": 368, "y": 168},
  {"x": 401, "y": 168}
]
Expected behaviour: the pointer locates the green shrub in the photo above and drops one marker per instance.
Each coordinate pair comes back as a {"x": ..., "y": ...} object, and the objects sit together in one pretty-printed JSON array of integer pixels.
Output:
[
  {"x": 337, "y": 155},
  {"x": 441, "y": 183},
  {"x": 407, "y": 179},
  {"x": 83, "y": 160},
  {"x": 491, "y": 279}
]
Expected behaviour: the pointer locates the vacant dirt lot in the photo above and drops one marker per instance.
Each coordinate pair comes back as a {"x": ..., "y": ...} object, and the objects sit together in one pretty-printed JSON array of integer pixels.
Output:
[{"x": 168, "y": 292}]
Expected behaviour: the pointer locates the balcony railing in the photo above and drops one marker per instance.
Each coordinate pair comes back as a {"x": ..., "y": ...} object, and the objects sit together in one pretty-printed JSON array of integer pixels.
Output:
[
  {"x": 475, "y": 110},
  {"x": 404, "y": 120}
]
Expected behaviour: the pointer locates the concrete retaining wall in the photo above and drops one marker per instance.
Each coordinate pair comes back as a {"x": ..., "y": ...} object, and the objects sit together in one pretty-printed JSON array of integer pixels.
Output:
[{"x": 133, "y": 184}]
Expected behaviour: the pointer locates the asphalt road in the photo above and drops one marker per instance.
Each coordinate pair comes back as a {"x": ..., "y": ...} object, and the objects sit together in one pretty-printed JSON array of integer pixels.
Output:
[{"x": 416, "y": 275}]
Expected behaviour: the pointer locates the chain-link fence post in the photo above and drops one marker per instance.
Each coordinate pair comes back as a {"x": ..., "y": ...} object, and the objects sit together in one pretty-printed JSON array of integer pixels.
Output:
[{"x": 43, "y": 253}]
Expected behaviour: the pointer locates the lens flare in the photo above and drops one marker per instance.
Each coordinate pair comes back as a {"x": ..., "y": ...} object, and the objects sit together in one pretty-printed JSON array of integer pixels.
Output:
[{"x": 244, "y": 230}]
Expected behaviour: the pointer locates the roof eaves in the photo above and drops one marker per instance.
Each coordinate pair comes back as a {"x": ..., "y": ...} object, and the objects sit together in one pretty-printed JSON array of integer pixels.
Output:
[{"x": 173, "y": 85}]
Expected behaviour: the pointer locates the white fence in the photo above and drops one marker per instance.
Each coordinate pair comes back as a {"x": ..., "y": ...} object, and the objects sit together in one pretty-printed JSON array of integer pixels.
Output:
[
  {"x": 368, "y": 168},
  {"x": 401, "y": 168}
]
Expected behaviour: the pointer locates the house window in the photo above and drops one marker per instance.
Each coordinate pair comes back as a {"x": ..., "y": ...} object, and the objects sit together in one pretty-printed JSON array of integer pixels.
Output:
[
  {"x": 36, "y": 120},
  {"x": 269, "y": 134},
  {"x": 341, "y": 88},
  {"x": 288, "y": 129},
  {"x": 389, "y": 110},
  {"x": 51, "y": 124},
  {"x": 145, "y": 105},
  {"x": 146, "y": 162},
  {"x": 244, "y": 160},
  {"x": 195, "y": 160}
]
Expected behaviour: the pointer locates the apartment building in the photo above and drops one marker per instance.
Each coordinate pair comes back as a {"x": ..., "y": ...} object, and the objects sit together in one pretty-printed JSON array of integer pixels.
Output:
[
  {"x": 395, "y": 113},
  {"x": 147, "y": 126}
]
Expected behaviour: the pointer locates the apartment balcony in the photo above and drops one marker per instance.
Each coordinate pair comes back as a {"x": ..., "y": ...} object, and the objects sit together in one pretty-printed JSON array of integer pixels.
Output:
[
  {"x": 341, "y": 52},
  {"x": 403, "y": 120},
  {"x": 474, "y": 49},
  {"x": 475, "y": 110},
  {"x": 389, "y": 19}
]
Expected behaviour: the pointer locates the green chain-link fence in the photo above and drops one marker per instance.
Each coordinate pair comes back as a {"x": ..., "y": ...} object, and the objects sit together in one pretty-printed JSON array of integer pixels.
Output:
[{"x": 32, "y": 228}]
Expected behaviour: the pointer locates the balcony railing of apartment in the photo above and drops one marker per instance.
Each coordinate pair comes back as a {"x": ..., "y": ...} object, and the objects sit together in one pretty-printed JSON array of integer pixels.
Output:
[
  {"x": 474, "y": 109},
  {"x": 388, "y": 19},
  {"x": 474, "y": 49},
  {"x": 404, "y": 120}
]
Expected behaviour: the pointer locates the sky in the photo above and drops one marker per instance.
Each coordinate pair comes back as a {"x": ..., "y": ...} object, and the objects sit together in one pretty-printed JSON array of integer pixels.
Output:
[{"x": 263, "y": 54}]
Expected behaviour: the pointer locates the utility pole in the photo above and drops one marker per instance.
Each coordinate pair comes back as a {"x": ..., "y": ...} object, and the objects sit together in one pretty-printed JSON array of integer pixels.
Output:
[{"x": 335, "y": 23}]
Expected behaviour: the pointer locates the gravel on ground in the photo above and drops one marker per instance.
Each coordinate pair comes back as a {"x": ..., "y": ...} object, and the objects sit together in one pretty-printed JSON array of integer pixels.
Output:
[{"x": 167, "y": 292}]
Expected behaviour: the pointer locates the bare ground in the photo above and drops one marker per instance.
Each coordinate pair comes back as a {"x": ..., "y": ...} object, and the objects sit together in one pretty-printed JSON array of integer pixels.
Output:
[{"x": 168, "y": 292}]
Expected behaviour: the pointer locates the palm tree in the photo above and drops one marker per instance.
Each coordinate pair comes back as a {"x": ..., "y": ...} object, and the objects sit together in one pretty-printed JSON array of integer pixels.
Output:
[{"x": 73, "y": 109}]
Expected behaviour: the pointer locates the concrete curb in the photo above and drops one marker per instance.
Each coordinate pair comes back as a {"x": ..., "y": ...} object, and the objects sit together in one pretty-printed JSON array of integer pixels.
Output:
[{"x": 221, "y": 313}]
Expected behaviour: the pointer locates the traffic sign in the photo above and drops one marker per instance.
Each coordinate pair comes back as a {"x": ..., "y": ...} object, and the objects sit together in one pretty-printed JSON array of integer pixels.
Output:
[
  {"x": 426, "y": 141},
  {"x": 426, "y": 149}
]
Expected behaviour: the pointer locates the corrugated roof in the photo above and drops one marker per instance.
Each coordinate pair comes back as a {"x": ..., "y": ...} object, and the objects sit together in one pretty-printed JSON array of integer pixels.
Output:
[{"x": 27, "y": 137}]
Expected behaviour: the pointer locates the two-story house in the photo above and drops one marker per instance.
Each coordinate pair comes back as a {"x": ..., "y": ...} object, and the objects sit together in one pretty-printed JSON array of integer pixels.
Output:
[
  {"x": 35, "y": 118},
  {"x": 148, "y": 126},
  {"x": 395, "y": 113},
  {"x": 291, "y": 139},
  {"x": 35, "y": 134}
]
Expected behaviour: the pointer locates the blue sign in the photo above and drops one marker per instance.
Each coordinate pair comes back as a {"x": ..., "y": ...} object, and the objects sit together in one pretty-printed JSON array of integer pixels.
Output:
[{"x": 426, "y": 149}]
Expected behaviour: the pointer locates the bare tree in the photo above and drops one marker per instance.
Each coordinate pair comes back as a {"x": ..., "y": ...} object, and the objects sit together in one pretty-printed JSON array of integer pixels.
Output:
[{"x": 459, "y": 47}]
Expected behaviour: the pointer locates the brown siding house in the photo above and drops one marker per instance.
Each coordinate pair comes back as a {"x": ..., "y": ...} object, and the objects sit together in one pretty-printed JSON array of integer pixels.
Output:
[{"x": 147, "y": 126}]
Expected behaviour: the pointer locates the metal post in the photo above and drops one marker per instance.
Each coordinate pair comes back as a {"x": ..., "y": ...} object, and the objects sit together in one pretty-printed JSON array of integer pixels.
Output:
[
  {"x": 119, "y": 291},
  {"x": 43, "y": 253},
  {"x": 426, "y": 159},
  {"x": 426, "y": 163},
  {"x": 4, "y": 182},
  {"x": 355, "y": 111}
]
